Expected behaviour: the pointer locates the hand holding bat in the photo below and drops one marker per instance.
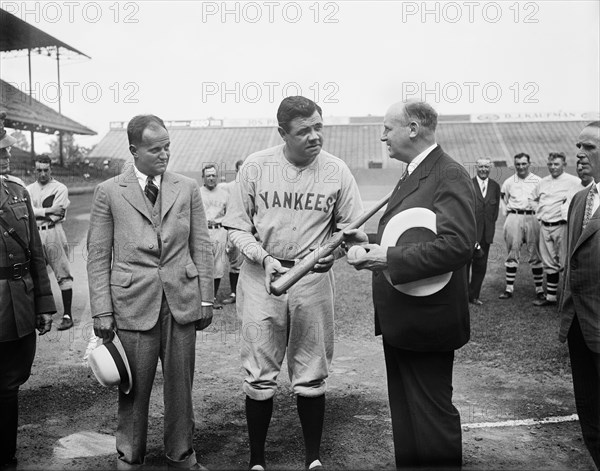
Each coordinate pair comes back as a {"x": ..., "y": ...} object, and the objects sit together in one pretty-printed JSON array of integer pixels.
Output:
[{"x": 308, "y": 263}]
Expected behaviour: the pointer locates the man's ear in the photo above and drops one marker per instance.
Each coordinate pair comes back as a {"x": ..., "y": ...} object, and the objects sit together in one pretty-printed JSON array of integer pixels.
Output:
[
  {"x": 413, "y": 129},
  {"x": 133, "y": 150},
  {"x": 282, "y": 132}
]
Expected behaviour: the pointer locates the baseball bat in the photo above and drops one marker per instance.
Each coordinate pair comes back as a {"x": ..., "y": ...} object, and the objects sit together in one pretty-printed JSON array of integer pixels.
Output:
[{"x": 291, "y": 277}]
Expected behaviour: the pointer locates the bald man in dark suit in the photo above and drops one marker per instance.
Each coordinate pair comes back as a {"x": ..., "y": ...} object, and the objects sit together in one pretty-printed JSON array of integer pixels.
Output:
[{"x": 487, "y": 204}]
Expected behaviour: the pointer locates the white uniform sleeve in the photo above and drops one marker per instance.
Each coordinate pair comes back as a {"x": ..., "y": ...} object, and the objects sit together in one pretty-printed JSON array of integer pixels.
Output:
[{"x": 248, "y": 245}]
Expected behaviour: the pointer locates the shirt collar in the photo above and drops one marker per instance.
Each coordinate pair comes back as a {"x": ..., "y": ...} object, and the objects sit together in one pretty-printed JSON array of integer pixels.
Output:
[
  {"x": 419, "y": 158},
  {"x": 143, "y": 177}
]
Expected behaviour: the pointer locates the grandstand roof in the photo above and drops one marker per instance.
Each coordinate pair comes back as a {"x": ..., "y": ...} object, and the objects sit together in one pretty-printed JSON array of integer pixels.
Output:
[
  {"x": 358, "y": 144},
  {"x": 17, "y": 34},
  {"x": 25, "y": 112}
]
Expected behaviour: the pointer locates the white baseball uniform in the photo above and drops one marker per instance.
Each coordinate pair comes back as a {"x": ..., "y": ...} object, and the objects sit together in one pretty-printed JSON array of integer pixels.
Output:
[
  {"x": 521, "y": 226},
  {"x": 284, "y": 211},
  {"x": 52, "y": 234},
  {"x": 215, "y": 205}
]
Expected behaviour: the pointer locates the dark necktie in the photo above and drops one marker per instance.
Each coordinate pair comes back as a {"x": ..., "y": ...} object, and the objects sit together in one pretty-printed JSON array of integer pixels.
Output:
[
  {"x": 589, "y": 204},
  {"x": 151, "y": 190}
]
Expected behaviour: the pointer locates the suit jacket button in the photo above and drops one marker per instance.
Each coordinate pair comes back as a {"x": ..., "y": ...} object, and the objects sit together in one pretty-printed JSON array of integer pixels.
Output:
[
  {"x": 11, "y": 256},
  {"x": 382, "y": 222},
  {"x": 151, "y": 246}
]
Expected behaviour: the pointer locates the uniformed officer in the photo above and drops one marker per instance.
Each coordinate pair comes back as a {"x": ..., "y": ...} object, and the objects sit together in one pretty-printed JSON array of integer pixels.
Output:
[{"x": 27, "y": 302}]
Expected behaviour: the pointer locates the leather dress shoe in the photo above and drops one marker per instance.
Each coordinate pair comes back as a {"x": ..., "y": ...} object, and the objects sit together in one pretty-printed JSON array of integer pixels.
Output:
[
  {"x": 544, "y": 302},
  {"x": 505, "y": 295},
  {"x": 230, "y": 299},
  {"x": 540, "y": 296},
  {"x": 65, "y": 324},
  {"x": 476, "y": 301}
]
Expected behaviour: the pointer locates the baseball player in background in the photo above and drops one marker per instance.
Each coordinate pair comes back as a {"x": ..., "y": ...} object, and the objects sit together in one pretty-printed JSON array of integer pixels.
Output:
[
  {"x": 288, "y": 200},
  {"x": 50, "y": 200},
  {"x": 215, "y": 199},
  {"x": 521, "y": 226},
  {"x": 553, "y": 195},
  {"x": 234, "y": 256}
]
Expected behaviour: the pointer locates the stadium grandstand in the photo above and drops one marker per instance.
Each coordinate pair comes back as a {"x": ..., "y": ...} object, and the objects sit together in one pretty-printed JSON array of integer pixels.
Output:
[{"x": 356, "y": 141}]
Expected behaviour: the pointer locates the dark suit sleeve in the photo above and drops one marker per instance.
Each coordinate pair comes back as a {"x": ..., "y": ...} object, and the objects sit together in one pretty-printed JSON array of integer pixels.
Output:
[
  {"x": 498, "y": 198},
  {"x": 451, "y": 249}
]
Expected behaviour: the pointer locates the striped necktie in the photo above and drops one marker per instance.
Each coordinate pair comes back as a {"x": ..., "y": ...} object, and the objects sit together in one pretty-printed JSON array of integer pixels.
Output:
[
  {"x": 484, "y": 188},
  {"x": 151, "y": 190},
  {"x": 589, "y": 204}
]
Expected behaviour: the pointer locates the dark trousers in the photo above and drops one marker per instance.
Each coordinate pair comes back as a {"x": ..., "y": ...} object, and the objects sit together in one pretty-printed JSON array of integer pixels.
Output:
[
  {"x": 585, "y": 367},
  {"x": 478, "y": 267},
  {"x": 16, "y": 358},
  {"x": 425, "y": 423}
]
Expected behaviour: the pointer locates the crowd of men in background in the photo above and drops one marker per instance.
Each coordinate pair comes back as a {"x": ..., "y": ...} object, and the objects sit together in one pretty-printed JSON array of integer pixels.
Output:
[{"x": 536, "y": 217}]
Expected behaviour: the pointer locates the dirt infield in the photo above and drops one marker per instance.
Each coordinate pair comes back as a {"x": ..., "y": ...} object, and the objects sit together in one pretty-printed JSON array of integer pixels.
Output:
[{"x": 68, "y": 420}]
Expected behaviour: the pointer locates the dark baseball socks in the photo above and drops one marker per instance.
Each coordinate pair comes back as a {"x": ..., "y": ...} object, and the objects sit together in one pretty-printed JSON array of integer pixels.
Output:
[
  {"x": 67, "y": 299},
  {"x": 258, "y": 417},
  {"x": 312, "y": 413}
]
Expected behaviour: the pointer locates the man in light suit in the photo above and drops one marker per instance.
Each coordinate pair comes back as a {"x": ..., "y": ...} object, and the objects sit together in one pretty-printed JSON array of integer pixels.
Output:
[
  {"x": 580, "y": 300},
  {"x": 487, "y": 204},
  {"x": 420, "y": 333},
  {"x": 150, "y": 272}
]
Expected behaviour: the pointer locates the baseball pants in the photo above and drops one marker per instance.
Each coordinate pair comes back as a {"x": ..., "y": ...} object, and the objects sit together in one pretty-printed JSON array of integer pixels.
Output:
[
  {"x": 553, "y": 247},
  {"x": 218, "y": 236},
  {"x": 56, "y": 251},
  {"x": 519, "y": 230},
  {"x": 300, "y": 321}
]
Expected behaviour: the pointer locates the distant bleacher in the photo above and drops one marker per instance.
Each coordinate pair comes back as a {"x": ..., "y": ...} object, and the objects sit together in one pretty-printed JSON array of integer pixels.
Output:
[{"x": 359, "y": 145}]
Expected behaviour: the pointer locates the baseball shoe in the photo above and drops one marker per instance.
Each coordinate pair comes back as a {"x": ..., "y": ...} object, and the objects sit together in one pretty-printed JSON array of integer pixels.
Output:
[
  {"x": 505, "y": 295},
  {"x": 230, "y": 299},
  {"x": 66, "y": 323},
  {"x": 541, "y": 296},
  {"x": 544, "y": 302},
  {"x": 315, "y": 465},
  {"x": 476, "y": 301},
  {"x": 217, "y": 304},
  {"x": 257, "y": 467}
]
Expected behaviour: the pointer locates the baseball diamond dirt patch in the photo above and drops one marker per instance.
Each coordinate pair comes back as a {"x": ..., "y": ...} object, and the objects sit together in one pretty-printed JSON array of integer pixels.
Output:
[{"x": 68, "y": 420}]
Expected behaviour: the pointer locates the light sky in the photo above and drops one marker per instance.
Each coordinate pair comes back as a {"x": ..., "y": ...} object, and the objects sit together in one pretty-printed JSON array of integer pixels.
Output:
[{"x": 228, "y": 60}]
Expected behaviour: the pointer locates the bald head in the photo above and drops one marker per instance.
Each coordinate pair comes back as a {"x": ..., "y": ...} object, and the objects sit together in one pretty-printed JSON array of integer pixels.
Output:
[
  {"x": 483, "y": 166},
  {"x": 409, "y": 129}
]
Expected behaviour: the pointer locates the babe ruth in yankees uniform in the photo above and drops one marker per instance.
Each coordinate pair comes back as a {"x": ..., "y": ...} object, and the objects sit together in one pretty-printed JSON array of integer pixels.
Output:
[{"x": 288, "y": 200}]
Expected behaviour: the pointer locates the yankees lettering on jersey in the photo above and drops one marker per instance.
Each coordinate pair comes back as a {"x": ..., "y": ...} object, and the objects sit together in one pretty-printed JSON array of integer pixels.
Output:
[
  {"x": 295, "y": 211},
  {"x": 298, "y": 201}
]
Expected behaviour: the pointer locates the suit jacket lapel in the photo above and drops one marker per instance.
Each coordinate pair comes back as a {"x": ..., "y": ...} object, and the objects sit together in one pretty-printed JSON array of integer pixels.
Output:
[
  {"x": 413, "y": 180},
  {"x": 592, "y": 226},
  {"x": 133, "y": 193},
  {"x": 168, "y": 193},
  {"x": 478, "y": 192}
]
